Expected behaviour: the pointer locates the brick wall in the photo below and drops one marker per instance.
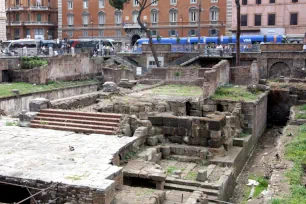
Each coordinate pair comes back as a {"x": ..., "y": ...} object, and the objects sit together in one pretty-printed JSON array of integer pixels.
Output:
[
  {"x": 245, "y": 75},
  {"x": 2, "y": 21},
  {"x": 281, "y": 47}
]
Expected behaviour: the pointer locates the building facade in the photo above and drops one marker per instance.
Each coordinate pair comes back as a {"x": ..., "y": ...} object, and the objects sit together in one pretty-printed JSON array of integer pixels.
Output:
[
  {"x": 165, "y": 18},
  {"x": 35, "y": 19},
  {"x": 2, "y": 21},
  {"x": 275, "y": 17}
]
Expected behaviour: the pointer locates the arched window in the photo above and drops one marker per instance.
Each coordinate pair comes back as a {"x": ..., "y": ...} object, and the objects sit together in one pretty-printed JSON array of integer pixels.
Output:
[
  {"x": 135, "y": 16},
  {"x": 70, "y": 19},
  {"x": 173, "y": 16},
  {"x": 214, "y": 14},
  {"x": 101, "y": 18},
  {"x": 154, "y": 16},
  {"x": 118, "y": 17},
  {"x": 85, "y": 18},
  {"x": 193, "y": 14}
]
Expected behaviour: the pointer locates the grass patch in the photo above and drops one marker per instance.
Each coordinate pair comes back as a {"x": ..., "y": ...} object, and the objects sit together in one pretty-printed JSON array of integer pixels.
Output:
[
  {"x": 129, "y": 155},
  {"x": 25, "y": 88},
  {"x": 243, "y": 134},
  {"x": 263, "y": 185},
  {"x": 178, "y": 90},
  {"x": 76, "y": 177},
  {"x": 235, "y": 93},
  {"x": 32, "y": 62},
  {"x": 301, "y": 112},
  {"x": 146, "y": 192},
  {"x": 192, "y": 175},
  {"x": 12, "y": 123},
  {"x": 296, "y": 152},
  {"x": 171, "y": 169}
]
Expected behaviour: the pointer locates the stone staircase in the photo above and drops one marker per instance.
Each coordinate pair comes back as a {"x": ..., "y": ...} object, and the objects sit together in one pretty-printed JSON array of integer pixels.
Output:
[
  {"x": 81, "y": 122},
  {"x": 123, "y": 61},
  {"x": 183, "y": 59}
]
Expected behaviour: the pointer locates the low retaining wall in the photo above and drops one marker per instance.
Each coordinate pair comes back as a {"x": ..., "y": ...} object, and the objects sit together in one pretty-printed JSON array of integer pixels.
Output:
[
  {"x": 244, "y": 75},
  {"x": 13, "y": 105}
]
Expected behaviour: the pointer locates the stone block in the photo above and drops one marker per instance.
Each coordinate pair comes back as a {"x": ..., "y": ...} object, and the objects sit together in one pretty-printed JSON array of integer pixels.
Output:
[
  {"x": 152, "y": 141},
  {"x": 156, "y": 120},
  {"x": 203, "y": 154},
  {"x": 161, "y": 138},
  {"x": 143, "y": 116},
  {"x": 215, "y": 143},
  {"x": 214, "y": 125},
  {"x": 238, "y": 142},
  {"x": 202, "y": 175},
  {"x": 204, "y": 133},
  {"x": 184, "y": 123},
  {"x": 196, "y": 113},
  {"x": 170, "y": 121},
  {"x": 38, "y": 104},
  {"x": 168, "y": 131},
  {"x": 181, "y": 131},
  {"x": 176, "y": 139},
  {"x": 228, "y": 144},
  {"x": 134, "y": 109},
  {"x": 161, "y": 108},
  {"x": 26, "y": 117},
  {"x": 158, "y": 156},
  {"x": 209, "y": 108},
  {"x": 166, "y": 151},
  {"x": 215, "y": 135},
  {"x": 160, "y": 185},
  {"x": 110, "y": 86},
  {"x": 203, "y": 141},
  {"x": 141, "y": 132}
]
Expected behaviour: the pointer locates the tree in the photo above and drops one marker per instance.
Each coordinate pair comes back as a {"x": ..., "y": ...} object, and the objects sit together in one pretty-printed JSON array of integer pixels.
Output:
[
  {"x": 238, "y": 33},
  {"x": 143, "y": 4}
]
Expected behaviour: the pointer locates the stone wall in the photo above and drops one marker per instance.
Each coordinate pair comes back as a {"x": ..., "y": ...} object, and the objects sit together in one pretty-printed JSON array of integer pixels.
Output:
[
  {"x": 245, "y": 75},
  {"x": 281, "y": 47},
  {"x": 116, "y": 75},
  {"x": 219, "y": 75},
  {"x": 14, "y": 105}
]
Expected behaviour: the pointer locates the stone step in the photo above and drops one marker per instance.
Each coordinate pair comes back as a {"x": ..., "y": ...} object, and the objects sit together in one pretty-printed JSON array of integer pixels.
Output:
[
  {"x": 90, "y": 114},
  {"x": 72, "y": 129},
  {"x": 191, "y": 189},
  {"x": 67, "y": 120},
  {"x": 191, "y": 183},
  {"x": 183, "y": 158},
  {"x": 67, "y": 124},
  {"x": 79, "y": 117}
]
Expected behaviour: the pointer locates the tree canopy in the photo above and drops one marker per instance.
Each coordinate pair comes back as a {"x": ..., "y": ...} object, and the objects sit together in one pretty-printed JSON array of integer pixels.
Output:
[{"x": 118, "y": 4}]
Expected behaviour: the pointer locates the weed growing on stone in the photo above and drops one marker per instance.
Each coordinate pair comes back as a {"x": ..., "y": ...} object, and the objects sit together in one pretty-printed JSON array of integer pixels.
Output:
[
  {"x": 178, "y": 90},
  {"x": 171, "y": 169},
  {"x": 192, "y": 175},
  {"x": 129, "y": 156},
  {"x": 12, "y": 123},
  {"x": 43, "y": 123},
  {"x": 235, "y": 93},
  {"x": 243, "y": 134},
  {"x": 301, "y": 112},
  {"x": 296, "y": 152}
]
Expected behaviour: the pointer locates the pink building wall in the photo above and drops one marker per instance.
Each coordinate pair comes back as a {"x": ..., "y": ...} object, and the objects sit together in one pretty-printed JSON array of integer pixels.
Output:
[{"x": 282, "y": 10}]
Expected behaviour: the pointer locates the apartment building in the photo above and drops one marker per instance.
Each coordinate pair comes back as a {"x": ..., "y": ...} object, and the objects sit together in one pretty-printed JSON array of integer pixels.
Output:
[
  {"x": 275, "y": 17},
  {"x": 2, "y": 21},
  {"x": 166, "y": 18},
  {"x": 35, "y": 19}
]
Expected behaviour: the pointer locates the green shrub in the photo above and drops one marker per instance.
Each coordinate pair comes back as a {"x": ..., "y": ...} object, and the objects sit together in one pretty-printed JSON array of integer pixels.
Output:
[{"x": 32, "y": 62}]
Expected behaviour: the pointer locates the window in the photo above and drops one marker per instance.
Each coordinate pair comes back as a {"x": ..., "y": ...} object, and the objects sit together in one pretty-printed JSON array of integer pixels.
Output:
[
  {"x": 154, "y": 16},
  {"x": 173, "y": 2},
  {"x": 70, "y": 5},
  {"x": 213, "y": 32},
  {"x": 192, "y": 33},
  {"x": 154, "y": 33},
  {"x": 70, "y": 34},
  {"x": 214, "y": 1},
  {"x": 101, "y": 18},
  {"x": 293, "y": 19},
  {"x": 49, "y": 18},
  {"x": 38, "y": 3},
  {"x": 244, "y": 20},
  {"x": 29, "y": 3},
  {"x": 38, "y": 17},
  {"x": 271, "y": 19},
  {"x": 17, "y": 2},
  {"x": 85, "y": 33},
  {"x": 214, "y": 14},
  {"x": 118, "y": 33},
  {"x": 257, "y": 20},
  {"x": 135, "y": 16},
  {"x": 295, "y": 1},
  {"x": 244, "y": 2},
  {"x": 85, "y": 18},
  {"x": 29, "y": 17},
  {"x": 193, "y": 13},
  {"x": 70, "y": 19},
  {"x": 154, "y": 2},
  {"x": 172, "y": 33},
  {"x": 118, "y": 17},
  {"x": 101, "y": 3},
  {"x": 28, "y": 33},
  {"x": 135, "y": 3},
  {"x": 85, "y": 5},
  {"x": 173, "y": 16},
  {"x": 16, "y": 33},
  {"x": 101, "y": 33},
  {"x": 272, "y": 1},
  {"x": 258, "y": 1},
  {"x": 193, "y": 1},
  {"x": 39, "y": 31},
  {"x": 17, "y": 17}
]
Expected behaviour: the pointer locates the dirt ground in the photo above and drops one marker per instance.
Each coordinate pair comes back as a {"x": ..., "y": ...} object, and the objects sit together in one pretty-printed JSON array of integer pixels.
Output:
[{"x": 267, "y": 160}]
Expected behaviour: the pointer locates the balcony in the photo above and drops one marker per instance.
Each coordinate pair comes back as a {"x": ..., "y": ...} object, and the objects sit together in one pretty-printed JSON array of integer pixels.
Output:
[
  {"x": 15, "y": 8},
  {"x": 39, "y": 8},
  {"x": 132, "y": 25},
  {"x": 14, "y": 23},
  {"x": 38, "y": 23}
]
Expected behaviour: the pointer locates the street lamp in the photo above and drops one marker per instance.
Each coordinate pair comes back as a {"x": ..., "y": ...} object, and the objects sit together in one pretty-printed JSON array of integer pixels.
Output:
[{"x": 182, "y": 20}]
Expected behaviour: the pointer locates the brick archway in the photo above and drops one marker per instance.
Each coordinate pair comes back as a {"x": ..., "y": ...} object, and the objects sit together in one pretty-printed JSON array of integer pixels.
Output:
[{"x": 279, "y": 69}]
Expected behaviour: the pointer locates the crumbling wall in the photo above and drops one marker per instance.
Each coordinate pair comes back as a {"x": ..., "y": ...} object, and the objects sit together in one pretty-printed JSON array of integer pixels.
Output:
[
  {"x": 245, "y": 75},
  {"x": 116, "y": 75},
  {"x": 217, "y": 76}
]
